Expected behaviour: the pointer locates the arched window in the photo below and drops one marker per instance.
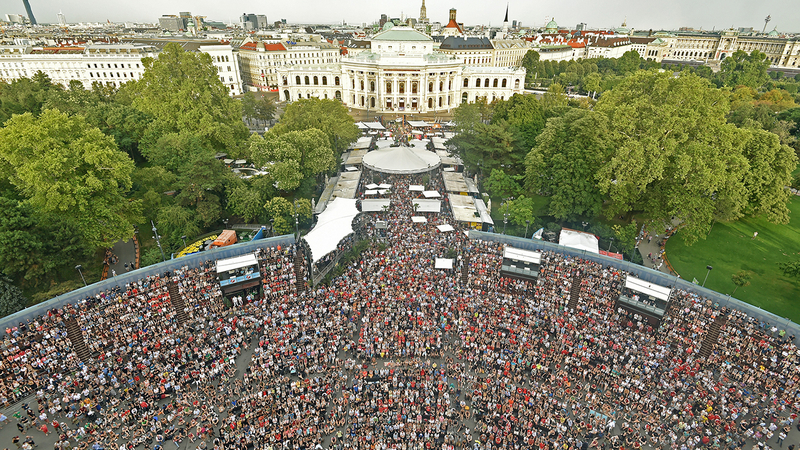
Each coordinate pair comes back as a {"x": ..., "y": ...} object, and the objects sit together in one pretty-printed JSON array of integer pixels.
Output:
[
  {"x": 316, "y": 80},
  {"x": 430, "y": 103},
  {"x": 430, "y": 86},
  {"x": 336, "y": 81},
  {"x": 338, "y": 94},
  {"x": 362, "y": 100},
  {"x": 516, "y": 84},
  {"x": 353, "y": 84},
  {"x": 478, "y": 82},
  {"x": 372, "y": 86},
  {"x": 388, "y": 87},
  {"x": 286, "y": 95},
  {"x": 464, "y": 97},
  {"x": 505, "y": 83},
  {"x": 486, "y": 83},
  {"x": 414, "y": 87},
  {"x": 441, "y": 86},
  {"x": 372, "y": 102},
  {"x": 401, "y": 88},
  {"x": 297, "y": 80},
  {"x": 307, "y": 83},
  {"x": 362, "y": 85},
  {"x": 324, "y": 81},
  {"x": 466, "y": 82},
  {"x": 494, "y": 84},
  {"x": 285, "y": 81}
]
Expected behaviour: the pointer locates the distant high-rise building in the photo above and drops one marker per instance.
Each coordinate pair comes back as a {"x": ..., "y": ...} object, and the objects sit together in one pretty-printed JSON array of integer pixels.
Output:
[
  {"x": 29, "y": 11},
  {"x": 254, "y": 21},
  {"x": 16, "y": 18},
  {"x": 514, "y": 24},
  {"x": 384, "y": 19},
  {"x": 172, "y": 23},
  {"x": 61, "y": 19},
  {"x": 185, "y": 15}
]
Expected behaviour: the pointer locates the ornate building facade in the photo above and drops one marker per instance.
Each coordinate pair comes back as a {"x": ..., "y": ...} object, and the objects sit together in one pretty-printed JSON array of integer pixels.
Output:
[{"x": 400, "y": 73}]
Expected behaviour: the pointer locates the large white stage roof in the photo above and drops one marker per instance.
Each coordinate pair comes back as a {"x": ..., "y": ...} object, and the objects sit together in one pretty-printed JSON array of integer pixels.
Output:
[
  {"x": 401, "y": 160},
  {"x": 333, "y": 225},
  {"x": 579, "y": 240},
  {"x": 224, "y": 265}
]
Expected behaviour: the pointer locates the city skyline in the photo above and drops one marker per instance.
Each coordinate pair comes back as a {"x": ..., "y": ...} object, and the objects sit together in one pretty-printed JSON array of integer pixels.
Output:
[{"x": 714, "y": 14}]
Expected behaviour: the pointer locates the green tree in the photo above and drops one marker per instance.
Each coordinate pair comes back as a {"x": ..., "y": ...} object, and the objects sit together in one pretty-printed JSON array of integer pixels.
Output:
[
  {"x": 182, "y": 92},
  {"x": 675, "y": 154},
  {"x": 565, "y": 161},
  {"x": 741, "y": 279},
  {"x": 625, "y": 236},
  {"x": 531, "y": 64},
  {"x": 292, "y": 156},
  {"x": 63, "y": 166},
  {"x": 328, "y": 116},
  {"x": 770, "y": 167},
  {"x": 520, "y": 209},
  {"x": 265, "y": 108},
  {"x": 745, "y": 70},
  {"x": 524, "y": 117},
  {"x": 591, "y": 84},
  {"x": 502, "y": 185},
  {"x": 11, "y": 298},
  {"x": 249, "y": 105},
  {"x": 629, "y": 62},
  {"x": 246, "y": 202},
  {"x": 790, "y": 269},
  {"x": 554, "y": 99},
  {"x": 25, "y": 95}
]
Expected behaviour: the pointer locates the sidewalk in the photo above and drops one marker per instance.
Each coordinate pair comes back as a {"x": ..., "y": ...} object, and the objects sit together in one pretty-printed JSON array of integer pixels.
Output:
[
  {"x": 652, "y": 247},
  {"x": 126, "y": 254}
]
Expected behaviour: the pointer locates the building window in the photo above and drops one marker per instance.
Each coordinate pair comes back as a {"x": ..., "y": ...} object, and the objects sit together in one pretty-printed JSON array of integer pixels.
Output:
[
  {"x": 516, "y": 84},
  {"x": 306, "y": 80},
  {"x": 372, "y": 87},
  {"x": 505, "y": 83},
  {"x": 297, "y": 79},
  {"x": 336, "y": 81},
  {"x": 494, "y": 84},
  {"x": 316, "y": 80},
  {"x": 388, "y": 87},
  {"x": 430, "y": 86},
  {"x": 324, "y": 81},
  {"x": 401, "y": 87}
]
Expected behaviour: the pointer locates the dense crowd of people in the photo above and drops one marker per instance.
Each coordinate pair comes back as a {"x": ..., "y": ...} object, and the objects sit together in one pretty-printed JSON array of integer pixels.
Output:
[{"x": 395, "y": 354}]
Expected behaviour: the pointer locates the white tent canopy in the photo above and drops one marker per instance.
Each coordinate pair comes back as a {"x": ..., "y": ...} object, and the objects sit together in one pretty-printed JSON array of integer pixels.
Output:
[
  {"x": 418, "y": 123},
  {"x": 579, "y": 240},
  {"x": 416, "y": 188},
  {"x": 653, "y": 290},
  {"x": 371, "y": 186},
  {"x": 371, "y": 192},
  {"x": 431, "y": 194},
  {"x": 402, "y": 160},
  {"x": 332, "y": 226},
  {"x": 445, "y": 228},
  {"x": 443, "y": 263},
  {"x": 374, "y": 125},
  {"x": 374, "y": 205},
  {"x": 427, "y": 205},
  {"x": 224, "y": 265},
  {"x": 419, "y": 219},
  {"x": 385, "y": 186}
]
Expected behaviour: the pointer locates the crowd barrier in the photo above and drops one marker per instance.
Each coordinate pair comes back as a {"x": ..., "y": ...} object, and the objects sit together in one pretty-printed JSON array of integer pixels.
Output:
[
  {"x": 192, "y": 261},
  {"x": 646, "y": 274}
]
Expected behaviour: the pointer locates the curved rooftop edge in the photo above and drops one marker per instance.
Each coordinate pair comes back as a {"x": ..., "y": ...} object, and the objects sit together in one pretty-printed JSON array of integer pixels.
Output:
[
  {"x": 192, "y": 260},
  {"x": 646, "y": 274}
]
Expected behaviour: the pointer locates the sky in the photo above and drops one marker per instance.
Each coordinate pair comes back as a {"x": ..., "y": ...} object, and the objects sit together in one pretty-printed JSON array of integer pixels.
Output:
[{"x": 640, "y": 14}]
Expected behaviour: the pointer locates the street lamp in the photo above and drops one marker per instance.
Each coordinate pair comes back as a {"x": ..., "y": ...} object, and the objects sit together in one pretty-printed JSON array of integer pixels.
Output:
[
  {"x": 272, "y": 227},
  {"x": 158, "y": 241},
  {"x": 609, "y": 244},
  {"x": 584, "y": 225},
  {"x": 296, "y": 222},
  {"x": 78, "y": 268},
  {"x": 527, "y": 224},
  {"x": 704, "y": 279},
  {"x": 505, "y": 214},
  {"x": 183, "y": 238}
]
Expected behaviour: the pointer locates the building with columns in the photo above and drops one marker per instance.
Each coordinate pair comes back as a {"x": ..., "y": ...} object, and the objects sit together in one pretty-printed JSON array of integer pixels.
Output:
[
  {"x": 781, "y": 51},
  {"x": 400, "y": 73}
]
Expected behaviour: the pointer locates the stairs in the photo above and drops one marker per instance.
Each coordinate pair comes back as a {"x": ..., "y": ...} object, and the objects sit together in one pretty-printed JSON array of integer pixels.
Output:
[
  {"x": 298, "y": 272},
  {"x": 712, "y": 336},
  {"x": 176, "y": 299},
  {"x": 574, "y": 291},
  {"x": 76, "y": 337},
  {"x": 465, "y": 269}
]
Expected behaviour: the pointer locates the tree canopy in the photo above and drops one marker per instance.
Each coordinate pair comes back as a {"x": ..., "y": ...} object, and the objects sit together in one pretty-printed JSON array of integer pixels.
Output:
[
  {"x": 61, "y": 165},
  {"x": 742, "y": 69},
  {"x": 328, "y": 116}
]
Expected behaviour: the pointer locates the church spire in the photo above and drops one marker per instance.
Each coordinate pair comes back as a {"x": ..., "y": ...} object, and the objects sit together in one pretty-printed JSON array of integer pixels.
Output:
[{"x": 423, "y": 13}]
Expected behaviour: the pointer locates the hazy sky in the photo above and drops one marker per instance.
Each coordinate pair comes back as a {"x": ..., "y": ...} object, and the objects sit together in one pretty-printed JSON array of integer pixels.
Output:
[{"x": 641, "y": 14}]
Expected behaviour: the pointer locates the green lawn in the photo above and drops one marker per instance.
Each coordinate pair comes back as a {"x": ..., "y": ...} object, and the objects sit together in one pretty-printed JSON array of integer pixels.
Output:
[{"x": 730, "y": 248}]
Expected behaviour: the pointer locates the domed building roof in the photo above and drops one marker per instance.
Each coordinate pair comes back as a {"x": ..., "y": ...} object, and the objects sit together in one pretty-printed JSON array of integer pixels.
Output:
[
  {"x": 387, "y": 26},
  {"x": 773, "y": 33},
  {"x": 552, "y": 25}
]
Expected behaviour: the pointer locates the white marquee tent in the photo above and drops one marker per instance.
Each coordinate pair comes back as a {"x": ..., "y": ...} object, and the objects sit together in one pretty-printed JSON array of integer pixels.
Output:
[
  {"x": 333, "y": 225},
  {"x": 402, "y": 160},
  {"x": 579, "y": 240}
]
